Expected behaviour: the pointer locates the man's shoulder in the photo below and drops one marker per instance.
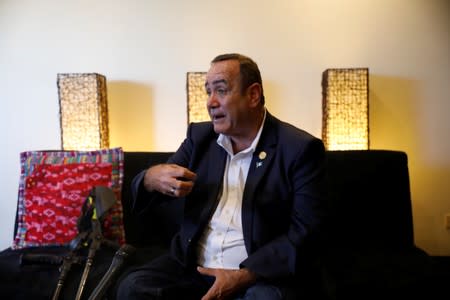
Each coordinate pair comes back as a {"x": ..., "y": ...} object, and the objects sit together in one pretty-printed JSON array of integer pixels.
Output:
[
  {"x": 289, "y": 132},
  {"x": 201, "y": 131}
]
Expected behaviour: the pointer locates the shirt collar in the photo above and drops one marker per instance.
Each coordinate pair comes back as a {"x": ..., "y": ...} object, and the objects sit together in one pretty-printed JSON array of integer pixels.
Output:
[{"x": 225, "y": 142}]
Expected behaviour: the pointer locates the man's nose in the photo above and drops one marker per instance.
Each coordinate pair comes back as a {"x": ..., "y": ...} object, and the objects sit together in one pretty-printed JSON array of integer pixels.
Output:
[{"x": 212, "y": 101}]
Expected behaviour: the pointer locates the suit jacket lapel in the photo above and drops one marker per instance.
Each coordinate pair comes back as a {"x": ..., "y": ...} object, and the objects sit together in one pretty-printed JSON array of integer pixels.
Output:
[
  {"x": 261, "y": 160},
  {"x": 217, "y": 159}
]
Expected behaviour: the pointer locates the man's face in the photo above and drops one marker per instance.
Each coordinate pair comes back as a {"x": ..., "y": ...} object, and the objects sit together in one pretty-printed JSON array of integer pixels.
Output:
[{"x": 226, "y": 105}]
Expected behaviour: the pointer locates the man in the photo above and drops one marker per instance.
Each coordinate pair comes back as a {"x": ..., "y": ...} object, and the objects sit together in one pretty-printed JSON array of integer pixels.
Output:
[{"x": 252, "y": 188}]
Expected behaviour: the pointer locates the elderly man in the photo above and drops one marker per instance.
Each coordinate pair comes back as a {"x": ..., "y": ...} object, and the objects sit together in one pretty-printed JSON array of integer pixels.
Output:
[{"x": 253, "y": 195}]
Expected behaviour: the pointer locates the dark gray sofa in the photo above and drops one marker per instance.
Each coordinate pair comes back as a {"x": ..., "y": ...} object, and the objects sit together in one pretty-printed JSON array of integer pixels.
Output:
[{"x": 370, "y": 252}]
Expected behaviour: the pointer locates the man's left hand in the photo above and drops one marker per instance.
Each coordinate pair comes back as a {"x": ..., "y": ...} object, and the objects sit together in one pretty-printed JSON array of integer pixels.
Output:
[{"x": 227, "y": 283}]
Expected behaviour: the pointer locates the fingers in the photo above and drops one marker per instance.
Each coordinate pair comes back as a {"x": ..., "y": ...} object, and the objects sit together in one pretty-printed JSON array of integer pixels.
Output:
[
  {"x": 186, "y": 174},
  {"x": 169, "y": 179},
  {"x": 227, "y": 282},
  {"x": 212, "y": 292},
  {"x": 218, "y": 290},
  {"x": 170, "y": 191},
  {"x": 178, "y": 191},
  {"x": 206, "y": 271}
]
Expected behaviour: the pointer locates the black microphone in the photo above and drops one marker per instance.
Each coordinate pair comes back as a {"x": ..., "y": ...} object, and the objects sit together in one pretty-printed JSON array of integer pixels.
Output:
[{"x": 117, "y": 263}]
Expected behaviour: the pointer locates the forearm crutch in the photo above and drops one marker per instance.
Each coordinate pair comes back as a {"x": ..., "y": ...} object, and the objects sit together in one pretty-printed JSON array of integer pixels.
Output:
[
  {"x": 102, "y": 200},
  {"x": 94, "y": 246},
  {"x": 67, "y": 263}
]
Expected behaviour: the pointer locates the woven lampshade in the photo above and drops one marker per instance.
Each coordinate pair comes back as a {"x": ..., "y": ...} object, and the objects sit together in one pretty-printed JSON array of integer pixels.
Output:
[
  {"x": 196, "y": 97},
  {"x": 83, "y": 111},
  {"x": 345, "y": 105}
]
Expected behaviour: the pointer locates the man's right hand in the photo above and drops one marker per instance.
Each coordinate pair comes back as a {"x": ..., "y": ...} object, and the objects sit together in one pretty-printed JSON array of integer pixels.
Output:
[{"x": 169, "y": 179}]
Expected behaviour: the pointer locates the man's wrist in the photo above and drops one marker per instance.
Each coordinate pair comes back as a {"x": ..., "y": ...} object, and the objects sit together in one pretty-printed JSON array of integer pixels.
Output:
[{"x": 248, "y": 275}]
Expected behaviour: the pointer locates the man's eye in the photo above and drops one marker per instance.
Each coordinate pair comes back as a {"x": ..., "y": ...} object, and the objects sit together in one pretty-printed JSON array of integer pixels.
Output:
[
  {"x": 221, "y": 92},
  {"x": 208, "y": 92}
]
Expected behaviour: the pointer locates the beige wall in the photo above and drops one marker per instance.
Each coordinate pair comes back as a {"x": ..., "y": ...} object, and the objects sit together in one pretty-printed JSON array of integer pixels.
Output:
[{"x": 145, "y": 48}]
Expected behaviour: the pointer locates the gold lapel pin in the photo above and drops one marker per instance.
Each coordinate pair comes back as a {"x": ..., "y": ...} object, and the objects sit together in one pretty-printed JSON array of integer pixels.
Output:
[{"x": 262, "y": 155}]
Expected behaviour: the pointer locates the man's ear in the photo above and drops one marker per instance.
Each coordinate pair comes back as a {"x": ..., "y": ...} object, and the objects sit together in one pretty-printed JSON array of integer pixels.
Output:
[{"x": 254, "y": 93}]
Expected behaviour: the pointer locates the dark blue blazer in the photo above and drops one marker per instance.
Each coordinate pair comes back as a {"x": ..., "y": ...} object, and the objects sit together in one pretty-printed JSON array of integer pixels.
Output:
[{"x": 283, "y": 203}]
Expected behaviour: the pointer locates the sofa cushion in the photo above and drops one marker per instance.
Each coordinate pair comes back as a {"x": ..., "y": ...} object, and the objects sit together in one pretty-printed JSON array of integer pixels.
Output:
[
  {"x": 370, "y": 197},
  {"x": 148, "y": 228},
  {"x": 53, "y": 186}
]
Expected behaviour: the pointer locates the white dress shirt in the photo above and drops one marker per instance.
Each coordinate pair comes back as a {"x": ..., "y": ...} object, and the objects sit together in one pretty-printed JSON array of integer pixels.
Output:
[{"x": 222, "y": 243}]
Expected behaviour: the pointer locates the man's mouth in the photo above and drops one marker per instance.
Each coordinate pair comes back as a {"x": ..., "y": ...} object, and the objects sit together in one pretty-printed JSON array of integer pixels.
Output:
[{"x": 217, "y": 117}]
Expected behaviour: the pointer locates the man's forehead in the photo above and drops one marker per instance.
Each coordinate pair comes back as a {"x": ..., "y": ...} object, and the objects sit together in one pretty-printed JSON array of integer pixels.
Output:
[{"x": 222, "y": 72}]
